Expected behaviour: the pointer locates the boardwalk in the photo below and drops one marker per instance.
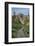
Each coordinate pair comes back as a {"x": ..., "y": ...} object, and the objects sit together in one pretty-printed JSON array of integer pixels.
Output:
[{"x": 20, "y": 33}]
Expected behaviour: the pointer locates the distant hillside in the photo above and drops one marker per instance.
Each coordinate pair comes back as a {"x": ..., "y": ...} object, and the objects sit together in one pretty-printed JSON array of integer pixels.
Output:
[{"x": 20, "y": 18}]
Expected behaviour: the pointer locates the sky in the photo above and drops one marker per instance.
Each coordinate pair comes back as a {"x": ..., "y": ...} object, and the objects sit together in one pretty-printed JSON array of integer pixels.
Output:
[{"x": 20, "y": 10}]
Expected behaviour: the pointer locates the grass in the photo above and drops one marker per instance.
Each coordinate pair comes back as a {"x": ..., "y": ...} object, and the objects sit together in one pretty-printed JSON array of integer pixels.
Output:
[{"x": 16, "y": 25}]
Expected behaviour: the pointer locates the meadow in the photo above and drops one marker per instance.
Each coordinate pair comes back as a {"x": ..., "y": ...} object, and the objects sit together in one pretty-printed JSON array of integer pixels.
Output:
[{"x": 20, "y": 26}]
